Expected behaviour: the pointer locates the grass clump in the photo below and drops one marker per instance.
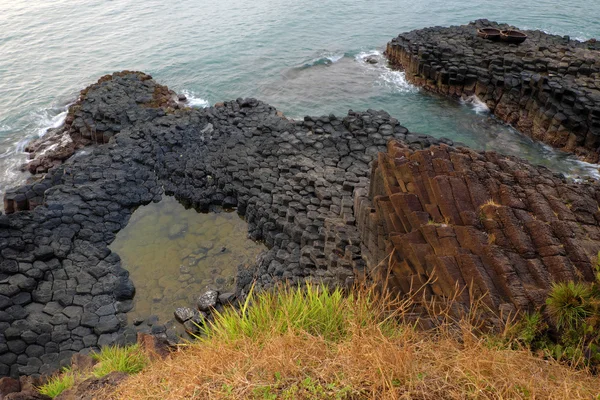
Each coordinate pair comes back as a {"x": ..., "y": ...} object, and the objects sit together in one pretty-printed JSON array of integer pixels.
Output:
[
  {"x": 314, "y": 309},
  {"x": 59, "y": 383},
  {"x": 572, "y": 333},
  {"x": 129, "y": 359}
]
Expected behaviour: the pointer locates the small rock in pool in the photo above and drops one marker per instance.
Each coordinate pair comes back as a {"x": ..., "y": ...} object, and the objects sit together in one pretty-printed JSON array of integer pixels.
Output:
[
  {"x": 371, "y": 60},
  {"x": 151, "y": 320},
  {"x": 208, "y": 300},
  {"x": 183, "y": 314}
]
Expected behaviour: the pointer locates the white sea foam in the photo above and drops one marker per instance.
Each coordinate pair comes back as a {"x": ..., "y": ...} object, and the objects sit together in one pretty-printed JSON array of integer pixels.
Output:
[
  {"x": 13, "y": 157},
  {"x": 393, "y": 79},
  {"x": 576, "y": 168},
  {"x": 476, "y": 104},
  {"x": 194, "y": 101},
  {"x": 335, "y": 58},
  {"x": 326, "y": 58},
  {"x": 49, "y": 120}
]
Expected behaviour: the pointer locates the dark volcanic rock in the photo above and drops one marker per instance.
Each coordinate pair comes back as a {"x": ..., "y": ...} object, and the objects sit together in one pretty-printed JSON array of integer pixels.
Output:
[
  {"x": 295, "y": 182},
  {"x": 292, "y": 180},
  {"x": 208, "y": 300},
  {"x": 183, "y": 314},
  {"x": 547, "y": 87}
]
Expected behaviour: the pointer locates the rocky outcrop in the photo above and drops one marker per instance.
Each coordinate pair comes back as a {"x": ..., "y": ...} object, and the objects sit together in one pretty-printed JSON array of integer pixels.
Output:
[
  {"x": 63, "y": 291},
  {"x": 103, "y": 109},
  {"x": 325, "y": 194},
  {"x": 443, "y": 219},
  {"x": 547, "y": 87}
]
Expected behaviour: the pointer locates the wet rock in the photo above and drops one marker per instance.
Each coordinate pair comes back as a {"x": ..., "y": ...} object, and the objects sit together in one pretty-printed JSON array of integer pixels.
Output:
[
  {"x": 299, "y": 185},
  {"x": 125, "y": 290},
  {"x": 226, "y": 298},
  {"x": 208, "y": 300},
  {"x": 183, "y": 314}
]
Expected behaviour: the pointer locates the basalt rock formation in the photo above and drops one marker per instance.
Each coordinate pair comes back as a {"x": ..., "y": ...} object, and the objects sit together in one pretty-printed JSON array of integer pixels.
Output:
[
  {"x": 100, "y": 112},
  {"x": 63, "y": 291},
  {"x": 547, "y": 87},
  {"x": 492, "y": 226}
]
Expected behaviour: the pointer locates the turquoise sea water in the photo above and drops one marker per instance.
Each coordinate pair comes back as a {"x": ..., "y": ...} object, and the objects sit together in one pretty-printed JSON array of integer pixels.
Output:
[{"x": 304, "y": 57}]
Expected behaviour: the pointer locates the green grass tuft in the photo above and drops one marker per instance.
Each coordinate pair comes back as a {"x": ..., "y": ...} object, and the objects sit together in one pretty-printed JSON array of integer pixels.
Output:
[
  {"x": 313, "y": 309},
  {"x": 569, "y": 304},
  {"x": 58, "y": 384},
  {"x": 129, "y": 360}
]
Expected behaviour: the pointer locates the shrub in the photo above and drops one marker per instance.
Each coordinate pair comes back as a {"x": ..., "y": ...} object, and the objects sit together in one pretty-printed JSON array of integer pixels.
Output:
[
  {"x": 574, "y": 336},
  {"x": 570, "y": 304}
]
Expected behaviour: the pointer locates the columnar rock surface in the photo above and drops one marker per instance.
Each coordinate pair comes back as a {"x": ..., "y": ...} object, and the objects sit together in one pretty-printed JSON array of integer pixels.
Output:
[
  {"x": 446, "y": 218},
  {"x": 547, "y": 87},
  {"x": 63, "y": 291}
]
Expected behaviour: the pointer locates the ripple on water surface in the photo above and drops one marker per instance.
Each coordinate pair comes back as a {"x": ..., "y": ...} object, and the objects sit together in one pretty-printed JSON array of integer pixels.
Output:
[{"x": 173, "y": 254}]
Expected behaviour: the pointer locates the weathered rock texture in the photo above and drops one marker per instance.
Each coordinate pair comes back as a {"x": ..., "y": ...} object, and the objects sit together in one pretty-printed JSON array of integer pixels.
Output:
[
  {"x": 63, "y": 291},
  {"x": 98, "y": 117},
  {"x": 447, "y": 218},
  {"x": 547, "y": 87}
]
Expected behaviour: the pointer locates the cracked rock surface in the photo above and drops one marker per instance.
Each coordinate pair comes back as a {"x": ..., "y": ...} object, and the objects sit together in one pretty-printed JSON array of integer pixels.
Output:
[{"x": 63, "y": 291}]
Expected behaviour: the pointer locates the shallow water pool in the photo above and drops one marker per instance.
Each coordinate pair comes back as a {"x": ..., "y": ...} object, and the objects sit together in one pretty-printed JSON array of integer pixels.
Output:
[{"x": 174, "y": 254}]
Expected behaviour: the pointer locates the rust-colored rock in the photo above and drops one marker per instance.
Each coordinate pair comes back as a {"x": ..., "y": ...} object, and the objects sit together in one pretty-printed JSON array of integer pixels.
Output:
[
  {"x": 9, "y": 385},
  {"x": 153, "y": 346},
  {"x": 492, "y": 225},
  {"x": 91, "y": 388}
]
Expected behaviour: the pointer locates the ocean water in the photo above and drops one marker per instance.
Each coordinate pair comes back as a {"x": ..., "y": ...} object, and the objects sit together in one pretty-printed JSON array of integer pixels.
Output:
[{"x": 304, "y": 57}]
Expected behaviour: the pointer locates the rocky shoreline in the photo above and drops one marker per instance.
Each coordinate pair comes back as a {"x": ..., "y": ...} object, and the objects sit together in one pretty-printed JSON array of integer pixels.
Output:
[
  {"x": 63, "y": 291},
  {"x": 330, "y": 197},
  {"x": 547, "y": 87}
]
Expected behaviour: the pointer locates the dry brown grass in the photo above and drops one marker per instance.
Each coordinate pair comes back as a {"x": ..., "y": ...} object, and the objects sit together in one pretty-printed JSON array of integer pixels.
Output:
[{"x": 369, "y": 364}]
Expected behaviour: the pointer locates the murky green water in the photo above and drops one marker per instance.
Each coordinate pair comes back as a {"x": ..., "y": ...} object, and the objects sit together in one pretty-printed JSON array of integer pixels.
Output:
[{"x": 173, "y": 255}]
